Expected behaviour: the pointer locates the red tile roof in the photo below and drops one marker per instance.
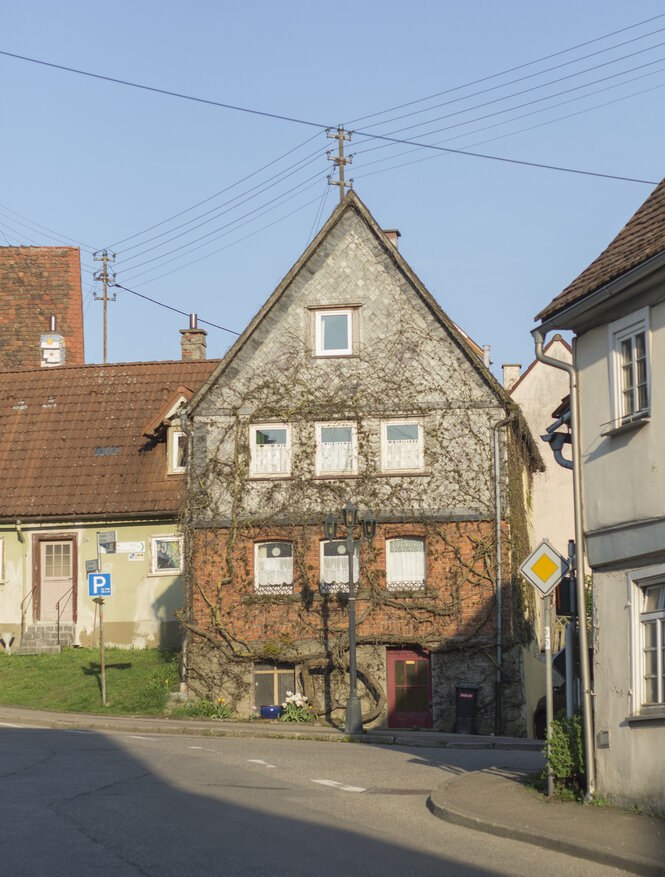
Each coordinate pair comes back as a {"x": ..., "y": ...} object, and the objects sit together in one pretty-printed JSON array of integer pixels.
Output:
[
  {"x": 71, "y": 442},
  {"x": 642, "y": 237},
  {"x": 35, "y": 284}
]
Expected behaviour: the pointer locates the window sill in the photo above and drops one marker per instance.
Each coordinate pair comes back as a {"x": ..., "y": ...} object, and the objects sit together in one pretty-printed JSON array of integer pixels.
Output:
[
  {"x": 627, "y": 424},
  {"x": 166, "y": 572},
  {"x": 658, "y": 715},
  {"x": 272, "y": 476},
  {"x": 404, "y": 473},
  {"x": 329, "y": 476}
]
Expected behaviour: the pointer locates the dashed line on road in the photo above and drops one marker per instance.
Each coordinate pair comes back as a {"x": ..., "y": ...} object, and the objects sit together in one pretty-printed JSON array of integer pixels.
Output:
[
  {"x": 139, "y": 737},
  {"x": 202, "y": 749},
  {"x": 260, "y": 761},
  {"x": 342, "y": 787}
]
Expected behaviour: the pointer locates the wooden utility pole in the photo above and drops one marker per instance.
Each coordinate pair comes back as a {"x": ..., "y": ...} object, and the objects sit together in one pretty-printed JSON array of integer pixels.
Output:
[
  {"x": 107, "y": 280},
  {"x": 340, "y": 160}
]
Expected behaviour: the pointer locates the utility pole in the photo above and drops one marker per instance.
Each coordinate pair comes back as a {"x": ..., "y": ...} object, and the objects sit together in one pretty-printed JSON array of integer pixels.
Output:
[
  {"x": 340, "y": 160},
  {"x": 107, "y": 280}
]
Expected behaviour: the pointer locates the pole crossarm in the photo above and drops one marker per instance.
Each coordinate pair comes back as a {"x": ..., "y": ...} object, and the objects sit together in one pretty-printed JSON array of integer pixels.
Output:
[{"x": 107, "y": 279}]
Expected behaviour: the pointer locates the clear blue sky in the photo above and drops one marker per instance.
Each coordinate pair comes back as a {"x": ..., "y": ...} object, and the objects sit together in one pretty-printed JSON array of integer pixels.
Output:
[{"x": 98, "y": 162}]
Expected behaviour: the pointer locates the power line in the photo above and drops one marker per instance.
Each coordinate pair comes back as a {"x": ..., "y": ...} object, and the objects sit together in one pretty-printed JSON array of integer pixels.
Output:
[
  {"x": 317, "y": 124},
  {"x": 217, "y": 194},
  {"x": 175, "y": 310},
  {"x": 508, "y": 70}
]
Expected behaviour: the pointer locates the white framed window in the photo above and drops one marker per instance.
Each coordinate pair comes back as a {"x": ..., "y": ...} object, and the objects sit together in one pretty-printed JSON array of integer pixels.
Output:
[
  {"x": 401, "y": 446},
  {"x": 630, "y": 370},
  {"x": 333, "y": 332},
  {"x": 270, "y": 449},
  {"x": 273, "y": 567},
  {"x": 335, "y": 567},
  {"x": 405, "y": 564},
  {"x": 648, "y": 652},
  {"x": 336, "y": 449},
  {"x": 166, "y": 555},
  {"x": 177, "y": 451}
]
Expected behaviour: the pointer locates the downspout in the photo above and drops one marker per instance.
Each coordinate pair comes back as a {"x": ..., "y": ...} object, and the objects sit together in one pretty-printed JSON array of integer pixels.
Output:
[
  {"x": 21, "y": 538},
  {"x": 539, "y": 338},
  {"x": 498, "y": 712}
]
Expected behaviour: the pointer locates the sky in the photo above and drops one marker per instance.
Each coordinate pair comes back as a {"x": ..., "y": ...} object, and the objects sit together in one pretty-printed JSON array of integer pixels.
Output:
[{"x": 207, "y": 207}]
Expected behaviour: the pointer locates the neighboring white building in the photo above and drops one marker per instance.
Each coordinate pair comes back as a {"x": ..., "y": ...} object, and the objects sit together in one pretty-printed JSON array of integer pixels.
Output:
[{"x": 616, "y": 307}]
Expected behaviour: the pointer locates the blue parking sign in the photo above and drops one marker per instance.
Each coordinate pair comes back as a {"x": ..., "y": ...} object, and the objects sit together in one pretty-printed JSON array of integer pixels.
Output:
[{"x": 99, "y": 584}]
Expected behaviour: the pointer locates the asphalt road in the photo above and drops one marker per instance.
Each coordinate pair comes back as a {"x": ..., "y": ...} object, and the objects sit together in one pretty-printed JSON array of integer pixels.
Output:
[{"x": 85, "y": 803}]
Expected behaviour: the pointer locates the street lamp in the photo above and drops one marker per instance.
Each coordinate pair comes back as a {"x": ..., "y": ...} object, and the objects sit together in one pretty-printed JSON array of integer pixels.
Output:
[{"x": 354, "y": 717}]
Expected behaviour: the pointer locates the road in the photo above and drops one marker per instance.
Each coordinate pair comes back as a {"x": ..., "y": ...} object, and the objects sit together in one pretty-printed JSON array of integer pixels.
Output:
[{"x": 81, "y": 803}]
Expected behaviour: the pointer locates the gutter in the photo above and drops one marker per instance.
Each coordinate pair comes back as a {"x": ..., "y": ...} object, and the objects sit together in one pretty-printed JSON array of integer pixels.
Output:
[
  {"x": 498, "y": 712},
  {"x": 539, "y": 338}
]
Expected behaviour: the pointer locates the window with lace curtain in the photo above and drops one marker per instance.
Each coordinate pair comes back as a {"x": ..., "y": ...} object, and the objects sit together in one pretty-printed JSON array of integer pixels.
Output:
[
  {"x": 336, "y": 449},
  {"x": 405, "y": 564},
  {"x": 270, "y": 450},
  {"x": 273, "y": 567},
  {"x": 335, "y": 567},
  {"x": 401, "y": 446}
]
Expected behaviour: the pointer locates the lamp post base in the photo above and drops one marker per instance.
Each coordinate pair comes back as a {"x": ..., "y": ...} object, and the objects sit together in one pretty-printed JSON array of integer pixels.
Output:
[{"x": 354, "y": 716}]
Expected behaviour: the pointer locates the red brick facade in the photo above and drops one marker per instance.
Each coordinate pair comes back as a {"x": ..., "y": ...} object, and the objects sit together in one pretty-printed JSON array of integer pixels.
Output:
[
  {"x": 35, "y": 284},
  {"x": 458, "y": 601}
]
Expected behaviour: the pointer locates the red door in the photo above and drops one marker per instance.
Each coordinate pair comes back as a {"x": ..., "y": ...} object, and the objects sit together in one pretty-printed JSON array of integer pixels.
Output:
[{"x": 409, "y": 689}]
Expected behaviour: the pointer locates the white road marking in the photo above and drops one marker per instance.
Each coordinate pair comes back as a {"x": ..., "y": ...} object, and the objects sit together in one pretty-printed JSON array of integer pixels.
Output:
[
  {"x": 7, "y": 725},
  {"x": 341, "y": 786},
  {"x": 139, "y": 737},
  {"x": 260, "y": 761},
  {"x": 203, "y": 749}
]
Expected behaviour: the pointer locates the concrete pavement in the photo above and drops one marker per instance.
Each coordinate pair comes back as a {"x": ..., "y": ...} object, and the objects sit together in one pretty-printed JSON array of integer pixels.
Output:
[{"x": 493, "y": 801}]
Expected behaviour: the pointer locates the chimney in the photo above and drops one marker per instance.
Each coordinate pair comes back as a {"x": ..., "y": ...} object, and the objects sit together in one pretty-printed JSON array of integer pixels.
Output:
[
  {"x": 193, "y": 341},
  {"x": 511, "y": 375},
  {"x": 487, "y": 362},
  {"x": 52, "y": 346},
  {"x": 392, "y": 234}
]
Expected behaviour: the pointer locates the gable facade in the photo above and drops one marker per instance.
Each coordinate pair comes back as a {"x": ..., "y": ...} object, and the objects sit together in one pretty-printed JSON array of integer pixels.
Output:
[{"x": 352, "y": 385}]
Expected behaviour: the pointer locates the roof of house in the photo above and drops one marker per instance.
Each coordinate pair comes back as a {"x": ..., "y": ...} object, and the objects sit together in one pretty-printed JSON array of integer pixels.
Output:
[
  {"x": 472, "y": 351},
  {"x": 37, "y": 283},
  {"x": 640, "y": 239},
  {"x": 72, "y": 440}
]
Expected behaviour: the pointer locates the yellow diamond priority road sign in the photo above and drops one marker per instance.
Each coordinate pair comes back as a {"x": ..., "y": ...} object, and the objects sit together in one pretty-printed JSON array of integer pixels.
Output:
[{"x": 544, "y": 568}]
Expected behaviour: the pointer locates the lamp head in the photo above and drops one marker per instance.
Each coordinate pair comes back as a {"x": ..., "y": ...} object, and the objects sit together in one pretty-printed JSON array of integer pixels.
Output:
[
  {"x": 330, "y": 527},
  {"x": 369, "y": 526},
  {"x": 350, "y": 515}
]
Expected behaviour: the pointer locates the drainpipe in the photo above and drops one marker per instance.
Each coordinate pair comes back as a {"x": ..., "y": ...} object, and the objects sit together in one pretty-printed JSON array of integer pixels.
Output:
[
  {"x": 498, "y": 716},
  {"x": 539, "y": 338},
  {"x": 21, "y": 538}
]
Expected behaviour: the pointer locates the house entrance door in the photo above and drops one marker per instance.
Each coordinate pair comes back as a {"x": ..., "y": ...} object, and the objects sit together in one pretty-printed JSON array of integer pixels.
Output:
[
  {"x": 56, "y": 597},
  {"x": 409, "y": 689}
]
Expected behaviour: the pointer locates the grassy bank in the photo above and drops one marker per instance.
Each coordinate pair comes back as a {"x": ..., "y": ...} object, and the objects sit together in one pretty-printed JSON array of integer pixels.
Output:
[{"x": 137, "y": 681}]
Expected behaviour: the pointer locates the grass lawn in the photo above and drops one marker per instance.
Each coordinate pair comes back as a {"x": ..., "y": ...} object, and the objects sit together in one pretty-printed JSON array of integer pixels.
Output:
[{"x": 137, "y": 681}]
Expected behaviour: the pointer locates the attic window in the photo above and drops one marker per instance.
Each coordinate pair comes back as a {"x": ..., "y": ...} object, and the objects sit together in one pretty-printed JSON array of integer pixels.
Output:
[
  {"x": 333, "y": 332},
  {"x": 106, "y": 452}
]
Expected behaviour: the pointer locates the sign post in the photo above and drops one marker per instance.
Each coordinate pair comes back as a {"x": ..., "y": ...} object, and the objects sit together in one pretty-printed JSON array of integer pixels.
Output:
[
  {"x": 544, "y": 568},
  {"x": 99, "y": 586}
]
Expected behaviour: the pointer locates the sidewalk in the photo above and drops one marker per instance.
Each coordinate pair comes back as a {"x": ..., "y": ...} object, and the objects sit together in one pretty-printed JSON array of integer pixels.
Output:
[
  {"x": 494, "y": 801},
  {"x": 497, "y": 802}
]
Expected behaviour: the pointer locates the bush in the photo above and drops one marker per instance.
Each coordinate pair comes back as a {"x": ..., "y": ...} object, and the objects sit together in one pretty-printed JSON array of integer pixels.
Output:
[
  {"x": 296, "y": 708},
  {"x": 567, "y": 753},
  {"x": 204, "y": 708}
]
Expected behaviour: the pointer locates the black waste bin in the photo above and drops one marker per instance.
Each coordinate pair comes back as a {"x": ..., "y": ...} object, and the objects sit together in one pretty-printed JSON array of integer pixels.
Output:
[{"x": 466, "y": 704}]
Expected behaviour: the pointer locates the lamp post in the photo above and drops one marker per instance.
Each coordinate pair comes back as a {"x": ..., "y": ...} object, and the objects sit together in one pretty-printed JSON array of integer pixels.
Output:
[{"x": 354, "y": 718}]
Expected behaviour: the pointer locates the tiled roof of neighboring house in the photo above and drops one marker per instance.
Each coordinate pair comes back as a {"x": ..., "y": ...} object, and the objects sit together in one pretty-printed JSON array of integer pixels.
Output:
[
  {"x": 37, "y": 283},
  {"x": 72, "y": 442},
  {"x": 642, "y": 237}
]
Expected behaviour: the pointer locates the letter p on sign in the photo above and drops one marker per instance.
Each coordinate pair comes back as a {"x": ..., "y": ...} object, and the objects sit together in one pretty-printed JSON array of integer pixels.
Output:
[{"x": 99, "y": 584}]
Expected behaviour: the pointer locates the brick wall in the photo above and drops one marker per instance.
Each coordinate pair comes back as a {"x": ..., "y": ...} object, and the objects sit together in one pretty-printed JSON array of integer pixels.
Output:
[
  {"x": 35, "y": 284},
  {"x": 458, "y": 601}
]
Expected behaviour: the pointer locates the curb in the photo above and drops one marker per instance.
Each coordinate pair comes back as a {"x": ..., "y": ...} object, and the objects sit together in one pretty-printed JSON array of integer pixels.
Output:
[
  {"x": 278, "y": 730},
  {"x": 634, "y": 863}
]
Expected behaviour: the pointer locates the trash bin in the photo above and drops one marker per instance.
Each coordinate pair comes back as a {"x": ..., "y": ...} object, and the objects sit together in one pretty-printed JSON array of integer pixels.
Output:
[{"x": 466, "y": 703}]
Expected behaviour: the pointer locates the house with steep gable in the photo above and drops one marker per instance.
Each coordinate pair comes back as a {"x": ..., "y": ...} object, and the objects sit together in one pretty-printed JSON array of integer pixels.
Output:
[
  {"x": 616, "y": 307},
  {"x": 93, "y": 461},
  {"x": 352, "y": 385}
]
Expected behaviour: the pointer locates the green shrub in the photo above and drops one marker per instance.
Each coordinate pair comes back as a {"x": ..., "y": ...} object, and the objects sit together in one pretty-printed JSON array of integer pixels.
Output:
[
  {"x": 204, "y": 708},
  {"x": 567, "y": 752}
]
